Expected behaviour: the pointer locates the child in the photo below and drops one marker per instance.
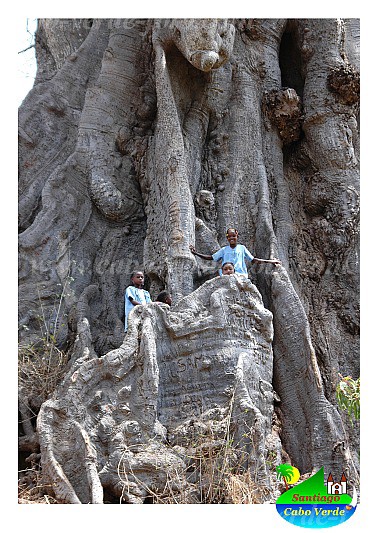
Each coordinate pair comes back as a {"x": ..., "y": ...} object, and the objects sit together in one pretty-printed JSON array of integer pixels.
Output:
[
  {"x": 164, "y": 297},
  {"x": 135, "y": 294},
  {"x": 234, "y": 253},
  {"x": 228, "y": 269}
]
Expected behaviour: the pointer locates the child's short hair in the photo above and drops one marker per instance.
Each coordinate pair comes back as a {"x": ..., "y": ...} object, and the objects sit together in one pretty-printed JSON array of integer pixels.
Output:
[
  {"x": 162, "y": 296},
  {"x": 135, "y": 272},
  {"x": 231, "y": 229}
]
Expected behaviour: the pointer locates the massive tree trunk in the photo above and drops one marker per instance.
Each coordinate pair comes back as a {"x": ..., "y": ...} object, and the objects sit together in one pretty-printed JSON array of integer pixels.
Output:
[{"x": 141, "y": 137}]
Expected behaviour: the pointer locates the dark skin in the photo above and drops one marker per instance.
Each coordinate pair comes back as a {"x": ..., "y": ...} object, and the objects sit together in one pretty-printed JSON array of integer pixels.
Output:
[
  {"x": 168, "y": 300},
  {"x": 138, "y": 281},
  {"x": 232, "y": 237},
  {"x": 228, "y": 269},
  {"x": 164, "y": 300}
]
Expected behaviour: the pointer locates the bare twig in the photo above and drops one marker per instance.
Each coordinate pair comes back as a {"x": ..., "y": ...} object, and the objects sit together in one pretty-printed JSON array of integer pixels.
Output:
[{"x": 26, "y": 49}]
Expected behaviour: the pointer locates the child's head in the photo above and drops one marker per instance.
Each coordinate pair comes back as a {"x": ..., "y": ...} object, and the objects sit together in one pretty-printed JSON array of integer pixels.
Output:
[
  {"x": 232, "y": 236},
  {"x": 137, "y": 278},
  {"x": 164, "y": 297},
  {"x": 228, "y": 269}
]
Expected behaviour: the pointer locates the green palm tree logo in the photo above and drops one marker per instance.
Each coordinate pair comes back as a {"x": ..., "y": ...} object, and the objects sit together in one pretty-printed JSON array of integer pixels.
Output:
[{"x": 288, "y": 473}]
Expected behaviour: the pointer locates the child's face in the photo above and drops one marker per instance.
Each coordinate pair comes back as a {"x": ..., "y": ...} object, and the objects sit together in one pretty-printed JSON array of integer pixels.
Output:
[
  {"x": 227, "y": 270},
  {"x": 232, "y": 237},
  {"x": 168, "y": 300},
  {"x": 138, "y": 279}
]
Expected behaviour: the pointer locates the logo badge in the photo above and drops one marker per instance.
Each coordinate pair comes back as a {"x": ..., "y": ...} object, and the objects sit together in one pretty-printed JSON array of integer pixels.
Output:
[{"x": 314, "y": 503}]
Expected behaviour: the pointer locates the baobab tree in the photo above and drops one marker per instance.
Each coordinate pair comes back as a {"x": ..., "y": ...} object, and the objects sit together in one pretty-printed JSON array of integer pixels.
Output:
[{"x": 142, "y": 137}]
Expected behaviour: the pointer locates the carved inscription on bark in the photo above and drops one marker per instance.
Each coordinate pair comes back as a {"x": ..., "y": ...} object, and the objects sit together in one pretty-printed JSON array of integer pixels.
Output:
[{"x": 208, "y": 358}]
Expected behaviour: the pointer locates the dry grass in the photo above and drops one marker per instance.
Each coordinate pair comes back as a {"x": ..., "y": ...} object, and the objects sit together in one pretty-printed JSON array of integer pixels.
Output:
[
  {"x": 215, "y": 473},
  {"x": 40, "y": 368},
  {"x": 31, "y": 488},
  {"x": 41, "y": 364},
  {"x": 242, "y": 489}
]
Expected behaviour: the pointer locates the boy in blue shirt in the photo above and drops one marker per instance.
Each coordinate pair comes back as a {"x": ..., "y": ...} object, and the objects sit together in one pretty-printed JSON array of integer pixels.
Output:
[
  {"x": 234, "y": 253},
  {"x": 135, "y": 294}
]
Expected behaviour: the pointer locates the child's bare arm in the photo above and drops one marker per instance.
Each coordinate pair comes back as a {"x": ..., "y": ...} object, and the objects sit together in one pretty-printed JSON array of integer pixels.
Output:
[
  {"x": 134, "y": 302},
  {"x": 203, "y": 256},
  {"x": 274, "y": 261}
]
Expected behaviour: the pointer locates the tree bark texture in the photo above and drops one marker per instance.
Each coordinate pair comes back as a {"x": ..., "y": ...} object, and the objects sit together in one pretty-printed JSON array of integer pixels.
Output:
[{"x": 141, "y": 137}]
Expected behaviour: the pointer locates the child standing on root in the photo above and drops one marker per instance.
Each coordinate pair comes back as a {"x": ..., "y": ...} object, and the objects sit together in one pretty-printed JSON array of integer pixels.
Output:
[
  {"x": 135, "y": 294},
  {"x": 234, "y": 253}
]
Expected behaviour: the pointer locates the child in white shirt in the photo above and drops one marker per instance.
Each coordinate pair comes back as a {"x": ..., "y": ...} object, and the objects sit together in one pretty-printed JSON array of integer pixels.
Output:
[{"x": 135, "y": 294}]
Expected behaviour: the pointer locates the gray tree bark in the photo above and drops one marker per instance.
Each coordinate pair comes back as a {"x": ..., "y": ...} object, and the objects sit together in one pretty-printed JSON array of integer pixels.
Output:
[{"x": 141, "y": 137}]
